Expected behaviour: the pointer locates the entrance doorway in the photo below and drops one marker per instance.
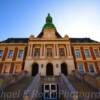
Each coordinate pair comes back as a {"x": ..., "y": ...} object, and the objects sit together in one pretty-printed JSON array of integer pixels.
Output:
[
  {"x": 50, "y": 92},
  {"x": 49, "y": 69},
  {"x": 64, "y": 69},
  {"x": 34, "y": 69}
]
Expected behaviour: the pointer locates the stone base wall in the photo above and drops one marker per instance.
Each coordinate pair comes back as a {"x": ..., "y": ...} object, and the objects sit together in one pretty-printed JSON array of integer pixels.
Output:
[{"x": 56, "y": 66}]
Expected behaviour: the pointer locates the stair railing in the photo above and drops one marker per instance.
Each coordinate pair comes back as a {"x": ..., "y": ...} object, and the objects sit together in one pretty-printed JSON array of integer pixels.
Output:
[
  {"x": 66, "y": 89},
  {"x": 32, "y": 91}
]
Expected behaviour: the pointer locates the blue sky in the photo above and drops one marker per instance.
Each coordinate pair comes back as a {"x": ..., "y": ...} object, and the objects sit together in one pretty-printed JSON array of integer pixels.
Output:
[{"x": 76, "y": 18}]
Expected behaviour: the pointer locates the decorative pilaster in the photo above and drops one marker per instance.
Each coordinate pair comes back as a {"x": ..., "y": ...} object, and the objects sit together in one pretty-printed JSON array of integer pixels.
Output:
[
  {"x": 41, "y": 50},
  {"x": 67, "y": 49},
  {"x": 70, "y": 54},
  {"x": 14, "y": 69},
  {"x": 28, "y": 54},
  {"x": 44, "y": 53},
  {"x": 32, "y": 51},
  {"x": 3, "y": 68},
  {"x": 57, "y": 50},
  {"x": 54, "y": 52}
]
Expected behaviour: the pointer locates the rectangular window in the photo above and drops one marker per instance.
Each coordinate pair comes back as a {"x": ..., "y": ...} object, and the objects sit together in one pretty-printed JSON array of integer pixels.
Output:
[
  {"x": 61, "y": 52},
  {"x": 80, "y": 68},
  {"x": 96, "y": 52},
  {"x": 21, "y": 54},
  {"x": 10, "y": 54},
  {"x": 49, "y": 52},
  {"x": 37, "y": 52},
  {"x": 77, "y": 53},
  {"x": 1, "y": 53},
  {"x": 91, "y": 68},
  {"x": 87, "y": 53}
]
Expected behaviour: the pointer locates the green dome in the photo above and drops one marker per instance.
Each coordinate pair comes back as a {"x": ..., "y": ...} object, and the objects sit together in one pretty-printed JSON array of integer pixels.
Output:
[{"x": 49, "y": 24}]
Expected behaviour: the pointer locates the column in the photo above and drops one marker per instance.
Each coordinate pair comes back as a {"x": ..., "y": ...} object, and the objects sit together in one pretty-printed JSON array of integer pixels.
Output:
[
  {"x": 14, "y": 69},
  {"x": 67, "y": 49},
  {"x": 44, "y": 52},
  {"x": 70, "y": 54},
  {"x": 3, "y": 68},
  {"x": 31, "y": 50},
  {"x": 41, "y": 50},
  {"x": 54, "y": 53},
  {"x": 28, "y": 54},
  {"x": 67, "y": 53},
  {"x": 57, "y": 50},
  {"x": 10, "y": 68}
]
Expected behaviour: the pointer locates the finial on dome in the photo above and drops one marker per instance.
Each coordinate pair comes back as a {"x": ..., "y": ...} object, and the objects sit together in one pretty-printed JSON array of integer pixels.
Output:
[
  {"x": 48, "y": 14},
  {"x": 48, "y": 18}
]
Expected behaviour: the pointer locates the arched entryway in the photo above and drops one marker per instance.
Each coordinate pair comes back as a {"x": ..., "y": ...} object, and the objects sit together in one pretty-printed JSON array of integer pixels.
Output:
[
  {"x": 49, "y": 69},
  {"x": 35, "y": 69},
  {"x": 64, "y": 69}
]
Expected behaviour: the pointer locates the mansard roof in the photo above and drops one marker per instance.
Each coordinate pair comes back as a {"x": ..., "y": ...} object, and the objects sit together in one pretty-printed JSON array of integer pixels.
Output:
[
  {"x": 25, "y": 40},
  {"x": 15, "y": 40},
  {"x": 82, "y": 40}
]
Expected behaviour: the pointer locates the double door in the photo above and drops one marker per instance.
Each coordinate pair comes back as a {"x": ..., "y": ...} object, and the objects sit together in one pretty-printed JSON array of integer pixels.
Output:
[{"x": 50, "y": 91}]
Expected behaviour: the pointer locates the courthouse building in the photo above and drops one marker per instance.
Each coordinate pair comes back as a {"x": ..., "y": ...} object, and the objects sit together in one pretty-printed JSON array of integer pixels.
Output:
[
  {"x": 49, "y": 53},
  {"x": 53, "y": 60}
]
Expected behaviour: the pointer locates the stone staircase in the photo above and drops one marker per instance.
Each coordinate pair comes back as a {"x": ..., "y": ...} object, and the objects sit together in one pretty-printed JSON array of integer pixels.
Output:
[
  {"x": 25, "y": 87},
  {"x": 85, "y": 91},
  {"x": 15, "y": 91},
  {"x": 80, "y": 85}
]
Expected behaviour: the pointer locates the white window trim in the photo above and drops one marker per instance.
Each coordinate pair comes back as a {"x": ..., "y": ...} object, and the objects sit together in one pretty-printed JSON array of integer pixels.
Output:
[
  {"x": 51, "y": 50},
  {"x": 75, "y": 53},
  {"x": 18, "y": 53},
  {"x": 77, "y": 48},
  {"x": 2, "y": 53},
  {"x": 34, "y": 51},
  {"x": 93, "y": 67},
  {"x": 8, "y": 53},
  {"x": 98, "y": 52},
  {"x": 83, "y": 66},
  {"x": 89, "y": 53},
  {"x": 64, "y": 51}
]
